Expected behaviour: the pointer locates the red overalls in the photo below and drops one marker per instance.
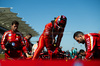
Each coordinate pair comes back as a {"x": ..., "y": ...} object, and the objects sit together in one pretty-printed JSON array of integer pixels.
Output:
[{"x": 46, "y": 40}]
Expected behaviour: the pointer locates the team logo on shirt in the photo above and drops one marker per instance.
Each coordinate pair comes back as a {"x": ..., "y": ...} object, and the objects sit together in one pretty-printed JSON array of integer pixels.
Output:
[
  {"x": 9, "y": 34},
  {"x": 16, "y": 38},
  {"x": 13, "y": 44},
  {"x": 88, "y": 43}
]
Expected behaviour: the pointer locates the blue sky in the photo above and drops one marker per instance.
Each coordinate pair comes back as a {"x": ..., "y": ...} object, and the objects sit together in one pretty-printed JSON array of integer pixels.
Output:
[{"x": 82, "y": 15}]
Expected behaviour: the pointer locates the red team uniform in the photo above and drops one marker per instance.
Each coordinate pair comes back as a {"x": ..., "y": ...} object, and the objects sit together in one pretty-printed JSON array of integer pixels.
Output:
[
  {"x": 28, "y": 45},
  {"x": 47, "y": 37},
  {"x": 92, "y": 41},
  {"x": 17, "y": 44}
]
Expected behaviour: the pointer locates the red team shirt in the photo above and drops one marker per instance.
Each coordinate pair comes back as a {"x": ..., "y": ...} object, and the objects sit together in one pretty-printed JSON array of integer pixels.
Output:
[
  {"x": 28, "y": 44},
  {"x": 92, "y": 41},
  {"x": 17, "y": 40}
]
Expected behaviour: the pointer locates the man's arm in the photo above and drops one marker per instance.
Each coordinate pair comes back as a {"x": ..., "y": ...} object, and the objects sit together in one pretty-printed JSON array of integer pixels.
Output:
[
  {"x": 4, "y": 41},
  {"x": 91, "y": 42},
  {"x": 60, "y": 35}
]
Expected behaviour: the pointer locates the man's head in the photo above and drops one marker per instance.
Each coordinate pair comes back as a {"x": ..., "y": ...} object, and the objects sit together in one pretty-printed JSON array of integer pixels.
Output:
[
  {"x": 28, "y": 36},
  {"x": 72, "y": 48},
  {"x": 60, "y": 22},
  {"x": 79, "y": 37},
  {"x": 14, "y": 26}
]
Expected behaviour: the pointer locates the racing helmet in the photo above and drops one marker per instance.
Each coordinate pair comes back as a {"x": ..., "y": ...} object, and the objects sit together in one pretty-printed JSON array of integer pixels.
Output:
[{"x": 60, "y": 21}]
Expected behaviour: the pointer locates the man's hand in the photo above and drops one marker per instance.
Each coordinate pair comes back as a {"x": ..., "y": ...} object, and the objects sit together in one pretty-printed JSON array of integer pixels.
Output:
[
  {"x": 5, "y": 49},
  {"x": 28, "y": 55}
]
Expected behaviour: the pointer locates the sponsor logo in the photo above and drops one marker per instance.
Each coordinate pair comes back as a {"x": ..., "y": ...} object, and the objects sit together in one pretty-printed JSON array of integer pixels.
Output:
[
  {"x": 9, "y": 34},
  {"x": 88, "y": 43},
  {"x": 16, "y": 35},
  {"x": 13, "y": 44},
  {"x": 9, "y": 38},
  {"x": 16, "y": 38}
]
